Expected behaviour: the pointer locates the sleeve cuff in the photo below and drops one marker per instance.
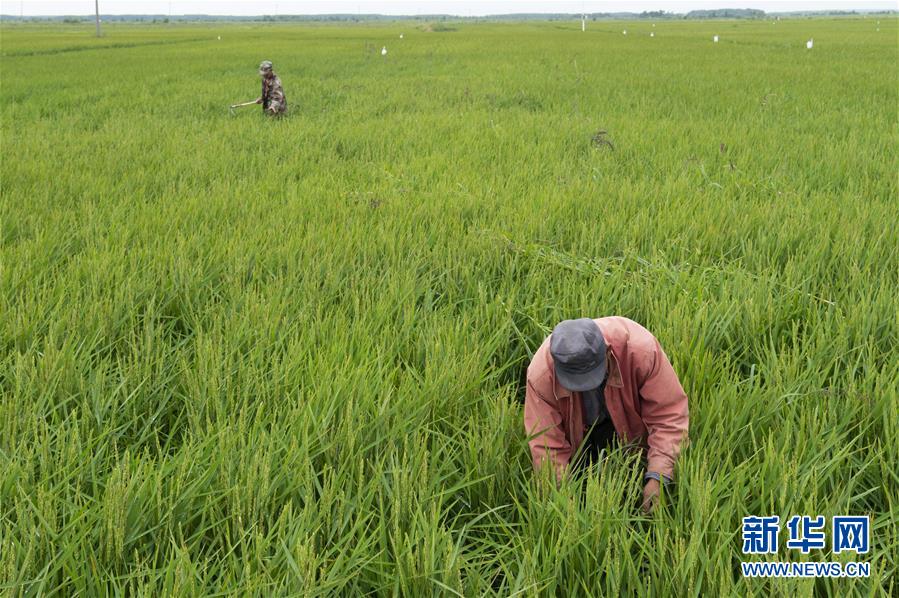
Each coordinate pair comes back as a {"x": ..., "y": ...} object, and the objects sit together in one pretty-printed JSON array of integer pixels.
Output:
[{"x": 661, "y": 478}]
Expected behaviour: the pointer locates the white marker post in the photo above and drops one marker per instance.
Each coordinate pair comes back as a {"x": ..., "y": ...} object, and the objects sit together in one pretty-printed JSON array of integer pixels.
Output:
[
  {"x": 715, "y": 39},
  {"x": 584, "y": 23}
]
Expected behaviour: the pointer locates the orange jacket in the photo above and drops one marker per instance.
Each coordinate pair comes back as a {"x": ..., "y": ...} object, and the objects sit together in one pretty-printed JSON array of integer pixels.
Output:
[{"x": 643, "y": 396}]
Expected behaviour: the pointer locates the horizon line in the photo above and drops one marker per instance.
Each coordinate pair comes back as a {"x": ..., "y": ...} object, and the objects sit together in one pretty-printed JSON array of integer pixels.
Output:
[{"x": 449, "y": 14}]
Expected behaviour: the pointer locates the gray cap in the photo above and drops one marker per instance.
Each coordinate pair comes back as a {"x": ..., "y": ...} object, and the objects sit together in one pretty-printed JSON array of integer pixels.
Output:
[
  {"x": 265, "y": 65},
  {"x": 579, "y": 354}
]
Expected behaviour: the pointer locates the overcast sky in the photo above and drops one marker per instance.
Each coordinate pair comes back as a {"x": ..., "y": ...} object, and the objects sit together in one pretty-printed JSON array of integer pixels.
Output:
[{"x": 405, "y": 7}]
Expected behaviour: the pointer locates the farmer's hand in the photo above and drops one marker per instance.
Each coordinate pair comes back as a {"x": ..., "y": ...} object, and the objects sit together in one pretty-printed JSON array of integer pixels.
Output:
[
  {"x": 258, "y": 100},
  {"x": 650, "y": 495}
]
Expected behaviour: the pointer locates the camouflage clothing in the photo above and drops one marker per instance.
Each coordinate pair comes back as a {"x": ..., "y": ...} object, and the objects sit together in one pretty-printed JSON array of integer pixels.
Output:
[{"x": 273, "y": 100}]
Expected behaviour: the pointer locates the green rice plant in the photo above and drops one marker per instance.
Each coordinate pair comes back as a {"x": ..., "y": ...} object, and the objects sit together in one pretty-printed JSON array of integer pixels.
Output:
[{"x": 250, "y": 357}]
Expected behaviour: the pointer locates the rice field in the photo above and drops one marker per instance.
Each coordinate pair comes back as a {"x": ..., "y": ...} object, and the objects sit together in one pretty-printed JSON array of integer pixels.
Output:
[{"x": 254, "y": 357}]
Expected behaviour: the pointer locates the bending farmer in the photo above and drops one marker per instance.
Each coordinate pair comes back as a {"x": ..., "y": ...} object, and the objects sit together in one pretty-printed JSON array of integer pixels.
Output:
[
  {"x": 272, "y": 99},
  {"x": 593, "y": 379}
]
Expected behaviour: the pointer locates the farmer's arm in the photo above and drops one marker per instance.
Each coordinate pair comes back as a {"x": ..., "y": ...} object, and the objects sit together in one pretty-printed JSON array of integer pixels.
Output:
[
  {"x": 664, "y": 412},
  {"x": 276, "y": 98},
  {"x": 543, "y": 425}
]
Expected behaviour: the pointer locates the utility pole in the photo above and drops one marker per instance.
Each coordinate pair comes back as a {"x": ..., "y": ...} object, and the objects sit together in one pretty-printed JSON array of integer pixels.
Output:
[{"x": 97, "y": 12}]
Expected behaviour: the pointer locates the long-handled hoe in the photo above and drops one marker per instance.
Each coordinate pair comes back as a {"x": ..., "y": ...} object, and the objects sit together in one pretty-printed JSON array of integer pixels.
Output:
[{"x": 231, "y": 108}]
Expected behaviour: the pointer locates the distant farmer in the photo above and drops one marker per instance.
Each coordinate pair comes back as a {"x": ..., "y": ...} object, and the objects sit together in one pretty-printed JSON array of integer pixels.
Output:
[
  {"x": 591, "y": 380},
  {"x": 272, "y": 99}
]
